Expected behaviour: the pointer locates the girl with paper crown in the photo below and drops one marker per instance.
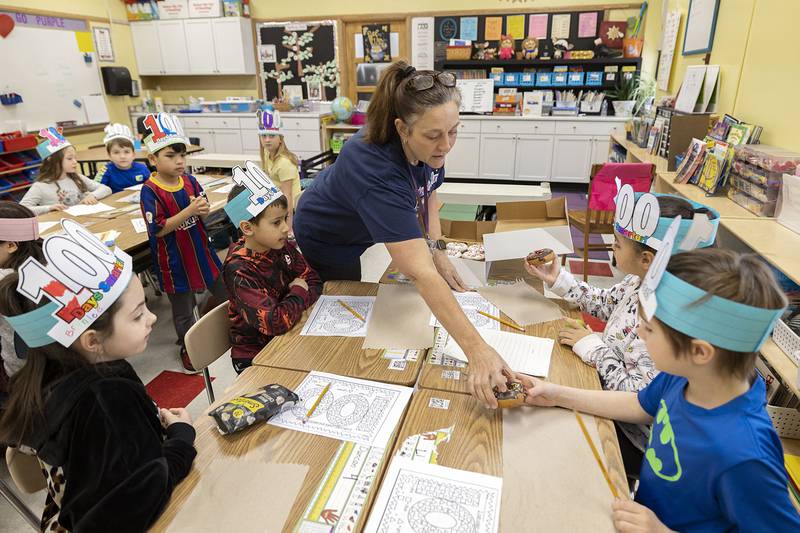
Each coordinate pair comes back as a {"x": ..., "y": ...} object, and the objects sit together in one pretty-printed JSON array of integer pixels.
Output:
[
  {"x": 59, "y": 185},
  {"x": 111, "y": 457},
  {"x": 281, "y": 164},
  {"x": 19, "y": 239},
  {"x": 713, "y": 460},
  {"x": 618, "y": 354}
]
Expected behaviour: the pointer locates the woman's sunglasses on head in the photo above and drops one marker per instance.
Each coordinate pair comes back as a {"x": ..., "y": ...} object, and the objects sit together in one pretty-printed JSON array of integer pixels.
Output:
[{"x": 423, "y": 81}]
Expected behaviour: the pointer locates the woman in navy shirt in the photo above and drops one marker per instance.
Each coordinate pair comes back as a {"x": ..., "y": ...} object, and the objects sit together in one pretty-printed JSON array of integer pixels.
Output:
[{"x": 382, "y": 188}]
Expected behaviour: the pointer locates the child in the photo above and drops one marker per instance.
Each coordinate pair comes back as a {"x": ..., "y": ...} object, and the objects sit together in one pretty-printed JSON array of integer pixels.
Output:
[
  {"x": 269, "y": 282},
  {"x": 619, "y": 355},
  {"x": 281, "y": 164},
  {"x": 174, "y": 206},
  {"x": 713, "y": 461},
  {"x": 58, "y": 185},
  {"x": 110, "y": 456},
  {"x": 122, "y": 171},
  {"x": 19, "y": 239}
]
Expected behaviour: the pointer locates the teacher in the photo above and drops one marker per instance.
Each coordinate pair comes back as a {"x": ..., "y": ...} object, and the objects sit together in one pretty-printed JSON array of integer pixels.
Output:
[{"x": 382, "y": 188}]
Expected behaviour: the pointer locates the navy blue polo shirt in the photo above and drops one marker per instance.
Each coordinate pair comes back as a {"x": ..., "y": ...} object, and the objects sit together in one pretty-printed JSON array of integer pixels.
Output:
[{"x": 365, "y": 197}]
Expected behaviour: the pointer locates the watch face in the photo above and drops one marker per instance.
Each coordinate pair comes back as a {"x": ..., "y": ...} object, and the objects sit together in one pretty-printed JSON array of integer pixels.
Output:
[{"x": 440, "y": 244}]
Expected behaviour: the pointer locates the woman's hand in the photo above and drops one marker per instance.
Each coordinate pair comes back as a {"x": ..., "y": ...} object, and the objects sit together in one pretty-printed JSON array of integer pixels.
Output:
[
  {"x": 176, "y": 414},
  {"x": 487, "y": 371},
  {"x": 89, "y": 199},
  {"x": 446, "y": 269},
  {"x": 573, "y": 332},
  {"x": 632, "y": 517},
  {"x": 58, "y": 207},
  {"x": 547, "y": 272}
]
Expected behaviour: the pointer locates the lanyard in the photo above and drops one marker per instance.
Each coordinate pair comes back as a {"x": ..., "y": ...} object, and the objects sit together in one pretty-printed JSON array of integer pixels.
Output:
[{"x": 422, "y": 203}]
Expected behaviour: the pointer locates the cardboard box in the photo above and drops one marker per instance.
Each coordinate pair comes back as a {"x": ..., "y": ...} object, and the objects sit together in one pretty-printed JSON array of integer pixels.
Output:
[
  {"x": 523, "y": 227},
  {"x": 532, "y": 214},
  {"x": 469, "y": 231},
  {"x": 205, "y": 8},
  {"x": 511, "y": 216},
  {"x": 173, "y": 9},
  {"x": 520, "y": 228}
]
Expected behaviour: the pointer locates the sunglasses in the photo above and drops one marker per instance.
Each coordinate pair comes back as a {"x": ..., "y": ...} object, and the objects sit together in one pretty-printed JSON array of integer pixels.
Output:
[{"x": 423, "y": 82}]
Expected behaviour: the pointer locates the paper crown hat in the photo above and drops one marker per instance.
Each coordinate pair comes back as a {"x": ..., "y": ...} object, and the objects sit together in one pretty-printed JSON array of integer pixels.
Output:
[
  {"x": 165, "y": 129},
  {"x": 19, "y": 229},
  {"x": 259, "y": 192},
  {"x": 82, "y": 278},
  {"x": 682, "y": 306},
  {"x": 53, "y": 141},
  {"x": 638, "y": 217},
  {"x": 118, "y": 131},
  {"x": 269, "y": 122}
]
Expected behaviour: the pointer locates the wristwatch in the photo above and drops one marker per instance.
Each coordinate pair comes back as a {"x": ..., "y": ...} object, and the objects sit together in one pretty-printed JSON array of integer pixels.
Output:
[{"x": 437, "y": 244}]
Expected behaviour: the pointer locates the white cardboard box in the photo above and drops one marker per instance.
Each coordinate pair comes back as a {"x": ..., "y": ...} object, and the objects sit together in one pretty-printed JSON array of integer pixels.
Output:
[
  {"x": 205, "y": 8},
  {"x": 173, "y": 9},
  {"x": 520, "y": 228},
  {"x": 788, "y": 213}
]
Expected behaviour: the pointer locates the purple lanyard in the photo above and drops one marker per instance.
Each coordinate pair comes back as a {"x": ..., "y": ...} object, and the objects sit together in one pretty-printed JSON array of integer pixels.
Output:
[{"x": 422, "y": 203}]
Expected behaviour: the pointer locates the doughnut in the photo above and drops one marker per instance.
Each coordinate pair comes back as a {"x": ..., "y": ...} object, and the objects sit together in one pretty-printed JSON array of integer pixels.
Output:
[
  {"x": 453, "y": 253},
  {"x": 540, "y": 257},
  {"x": 457, "y": 246},
  {"x": 478, "y": 256},
  {"x": 513, "y": 397}
]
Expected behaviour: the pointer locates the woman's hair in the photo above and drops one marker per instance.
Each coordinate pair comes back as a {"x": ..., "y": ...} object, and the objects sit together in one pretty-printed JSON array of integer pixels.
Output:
[
  {"x": 671, "y": 207},
  {"x": 24, "y": 408},
  {"x": 52, "y": 167},
  {"x": 394, "y": 98},
  {"x": 285, "y": 152},
  {"x": 25, "y": 249},
  {"x": 724, "y": 273}
]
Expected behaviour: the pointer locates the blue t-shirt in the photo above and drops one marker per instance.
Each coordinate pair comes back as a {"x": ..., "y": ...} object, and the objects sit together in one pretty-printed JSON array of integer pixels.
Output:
[
  {"x": 713, "y": 469},
  {"x": 363, "y": 198},
  {"x": 120, "y": 179}
]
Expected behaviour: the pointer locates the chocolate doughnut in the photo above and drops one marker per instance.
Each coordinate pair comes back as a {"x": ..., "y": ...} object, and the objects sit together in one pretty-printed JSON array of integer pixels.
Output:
[
  {"x": 513, "y": 397},
  {"x": 541, "y": 257}
]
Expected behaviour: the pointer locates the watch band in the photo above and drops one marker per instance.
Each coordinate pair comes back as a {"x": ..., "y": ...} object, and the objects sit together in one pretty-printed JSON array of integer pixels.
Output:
[{"x": 437, "y": 244}]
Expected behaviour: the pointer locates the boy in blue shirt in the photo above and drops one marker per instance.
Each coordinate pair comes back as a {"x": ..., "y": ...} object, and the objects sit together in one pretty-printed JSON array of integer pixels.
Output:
[
  {"x": 713, "y": 461},
  {"x": 122, "y": 171}
]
